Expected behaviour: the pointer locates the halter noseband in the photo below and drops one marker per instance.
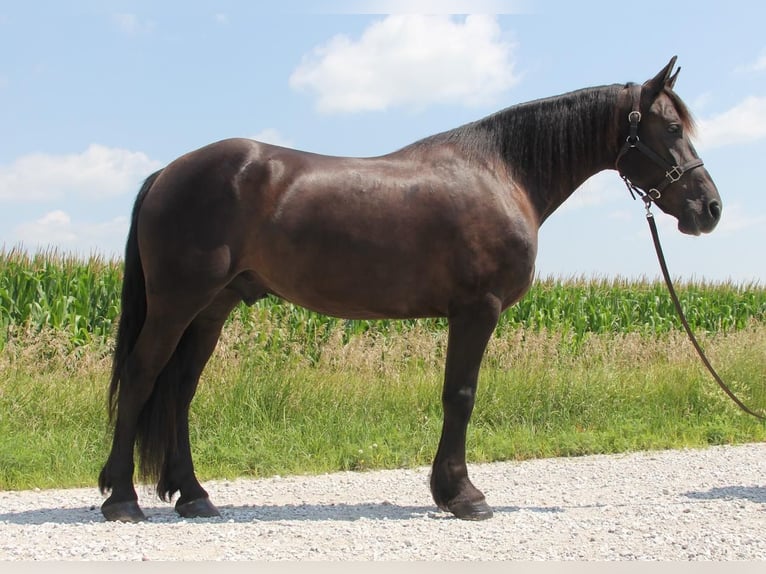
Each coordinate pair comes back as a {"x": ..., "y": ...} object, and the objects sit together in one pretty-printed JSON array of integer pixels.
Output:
[{"x": 672, "y": 172}]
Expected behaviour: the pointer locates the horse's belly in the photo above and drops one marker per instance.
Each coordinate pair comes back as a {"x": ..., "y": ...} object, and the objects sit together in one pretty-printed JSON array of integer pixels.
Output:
[{"x": 358, "y": 287}]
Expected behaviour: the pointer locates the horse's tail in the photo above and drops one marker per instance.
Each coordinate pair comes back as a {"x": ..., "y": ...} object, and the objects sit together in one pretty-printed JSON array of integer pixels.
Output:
[
  {"x": 133, "y": 300},
  {"x": 155, "y": 430},
  {"x": 156, "y": 435}
]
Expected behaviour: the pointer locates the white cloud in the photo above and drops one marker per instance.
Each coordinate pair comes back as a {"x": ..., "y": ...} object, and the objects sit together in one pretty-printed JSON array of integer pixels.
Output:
[
  {"x": 53, "y": 227},
  {"x": 621, "y": 215},
  {"x": 131, "y": 24},
  {"x": 604, "y": 187},
  {"x": 98, "y": 172},
  {"x": 702, "y": 101},
  {"x": 221, "y": 18},
  {"x": 744, "y": 123},
  {"x": 758, "y": 66},
  {"x": 735, "y": 218},
  {"x": 410, "y": 60},
  {"x": 272, "y": 136},
  {"x": 57, "y": 229}
]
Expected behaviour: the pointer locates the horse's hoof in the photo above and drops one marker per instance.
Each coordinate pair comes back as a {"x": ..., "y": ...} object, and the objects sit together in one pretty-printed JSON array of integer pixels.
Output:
[
  {"x": 199, "y": 508},
  {"x": 467, "y": 510},
  {"x": 127, "y": 511}
]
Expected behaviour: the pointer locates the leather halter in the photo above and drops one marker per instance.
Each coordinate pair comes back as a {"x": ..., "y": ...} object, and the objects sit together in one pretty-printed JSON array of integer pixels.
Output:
[{"x": 672, "y": 172}]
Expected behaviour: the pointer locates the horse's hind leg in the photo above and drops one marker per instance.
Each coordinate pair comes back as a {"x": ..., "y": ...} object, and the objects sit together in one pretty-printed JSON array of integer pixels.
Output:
[
  {"x": 194, "y": 351},
  {"x": 155, "y": 345},
  {"x": 469, "y": 330}
]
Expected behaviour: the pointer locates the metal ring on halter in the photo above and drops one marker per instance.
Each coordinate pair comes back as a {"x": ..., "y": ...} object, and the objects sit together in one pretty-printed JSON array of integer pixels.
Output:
[{"x": 635, "y": 115}]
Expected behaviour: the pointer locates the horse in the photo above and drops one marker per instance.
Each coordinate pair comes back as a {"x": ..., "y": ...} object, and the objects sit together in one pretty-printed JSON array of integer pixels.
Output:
[{"x": 444, "y": 227}]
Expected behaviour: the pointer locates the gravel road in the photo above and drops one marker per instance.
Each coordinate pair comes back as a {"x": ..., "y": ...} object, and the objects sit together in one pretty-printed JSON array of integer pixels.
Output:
[{"x": 705, "y": 504}]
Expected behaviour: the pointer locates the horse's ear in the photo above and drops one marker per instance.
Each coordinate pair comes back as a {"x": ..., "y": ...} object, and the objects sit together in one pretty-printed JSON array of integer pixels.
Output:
[
  {"x": 672, "y": 80},
  {"x": 654, "y": 86}
]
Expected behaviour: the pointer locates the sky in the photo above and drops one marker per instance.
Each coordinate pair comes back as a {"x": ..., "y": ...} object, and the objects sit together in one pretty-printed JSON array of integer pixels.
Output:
[{"x": 96, "y": 95}]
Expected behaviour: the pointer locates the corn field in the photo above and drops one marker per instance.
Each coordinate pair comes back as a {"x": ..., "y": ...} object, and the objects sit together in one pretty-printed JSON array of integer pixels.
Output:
[{"x": 81, "y": 297}]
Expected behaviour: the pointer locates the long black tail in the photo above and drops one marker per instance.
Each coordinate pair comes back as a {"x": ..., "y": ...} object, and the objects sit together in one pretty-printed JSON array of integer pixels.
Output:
[
  {"x": 156, "y": 432},
  {"x": 156, "y": 424},
  {"x": 133, "y": 299}
]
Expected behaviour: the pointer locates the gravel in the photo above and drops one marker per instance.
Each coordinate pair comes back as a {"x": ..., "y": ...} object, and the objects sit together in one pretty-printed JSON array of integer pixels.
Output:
[{"x": 707, "y": 504}]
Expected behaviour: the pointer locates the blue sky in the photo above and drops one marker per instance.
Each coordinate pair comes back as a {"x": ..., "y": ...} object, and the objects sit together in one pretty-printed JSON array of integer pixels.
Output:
[{"x": 95, "y": 95}]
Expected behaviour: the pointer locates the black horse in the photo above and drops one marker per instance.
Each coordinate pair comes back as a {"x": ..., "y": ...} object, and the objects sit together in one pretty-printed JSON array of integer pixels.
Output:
[{"x": 445, "y": 227}]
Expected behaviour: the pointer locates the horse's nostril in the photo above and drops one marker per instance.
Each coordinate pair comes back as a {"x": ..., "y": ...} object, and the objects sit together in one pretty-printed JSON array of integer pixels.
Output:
[{"x": 714, "y": 207}]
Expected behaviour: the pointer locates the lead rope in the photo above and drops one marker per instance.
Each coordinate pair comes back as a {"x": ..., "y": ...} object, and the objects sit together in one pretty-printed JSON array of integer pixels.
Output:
[{"x": 682, "y": 316}]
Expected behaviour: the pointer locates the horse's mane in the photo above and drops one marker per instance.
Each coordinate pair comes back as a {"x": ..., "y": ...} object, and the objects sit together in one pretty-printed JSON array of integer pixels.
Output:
[
  {"x": 550, "y": 136},
  {"x": 535, "y": 137}
]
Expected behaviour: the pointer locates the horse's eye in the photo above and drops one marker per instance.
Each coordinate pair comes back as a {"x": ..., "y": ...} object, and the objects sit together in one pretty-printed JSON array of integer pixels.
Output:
[{"x": 674, "y": 128}]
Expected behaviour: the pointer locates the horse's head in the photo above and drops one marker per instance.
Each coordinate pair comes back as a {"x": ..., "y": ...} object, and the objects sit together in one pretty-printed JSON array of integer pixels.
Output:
[{"x": 658, "y": 158}]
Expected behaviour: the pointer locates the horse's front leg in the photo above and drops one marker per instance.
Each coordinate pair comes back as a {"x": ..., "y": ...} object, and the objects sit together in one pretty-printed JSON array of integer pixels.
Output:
[{"x": 470, "y": 328}]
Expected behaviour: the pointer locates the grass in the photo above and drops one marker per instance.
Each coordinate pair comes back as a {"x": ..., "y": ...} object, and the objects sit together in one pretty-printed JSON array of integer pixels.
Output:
[
  {"x": 578, "y": 366},
  {"x": 373, "y": 403}
]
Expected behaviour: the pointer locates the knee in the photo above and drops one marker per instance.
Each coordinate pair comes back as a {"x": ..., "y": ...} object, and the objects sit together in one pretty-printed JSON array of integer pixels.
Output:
[{"x": 459, "y": 400}]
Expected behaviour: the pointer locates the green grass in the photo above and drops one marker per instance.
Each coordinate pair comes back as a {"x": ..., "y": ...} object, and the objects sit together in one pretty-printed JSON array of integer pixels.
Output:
[
  {"x": 367, "y": 405},
  {"x": 579, "y": 366}
]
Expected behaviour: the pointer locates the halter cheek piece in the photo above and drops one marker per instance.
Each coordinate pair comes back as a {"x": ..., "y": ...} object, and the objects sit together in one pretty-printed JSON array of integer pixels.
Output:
[{"x": 672, "y": 172}]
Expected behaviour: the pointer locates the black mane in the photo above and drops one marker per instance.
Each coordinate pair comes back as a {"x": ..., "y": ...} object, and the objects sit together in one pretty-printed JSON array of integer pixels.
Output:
[{"x": 543, "y": 139}]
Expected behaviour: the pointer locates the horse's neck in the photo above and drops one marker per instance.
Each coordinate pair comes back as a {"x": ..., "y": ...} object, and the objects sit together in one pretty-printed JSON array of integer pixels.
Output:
[
  {"x": 549, "y": 198},
  {"x": 560, "y": 143}
]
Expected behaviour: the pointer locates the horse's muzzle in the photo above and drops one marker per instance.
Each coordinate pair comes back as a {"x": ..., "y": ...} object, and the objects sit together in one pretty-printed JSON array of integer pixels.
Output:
[{"x": 702, "y": 216}]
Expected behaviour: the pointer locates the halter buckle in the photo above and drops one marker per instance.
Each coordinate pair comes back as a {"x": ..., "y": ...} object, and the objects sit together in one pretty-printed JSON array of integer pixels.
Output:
[
  {"x": 634, "y": 117},
  {"x": 675, "y": 173}
]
